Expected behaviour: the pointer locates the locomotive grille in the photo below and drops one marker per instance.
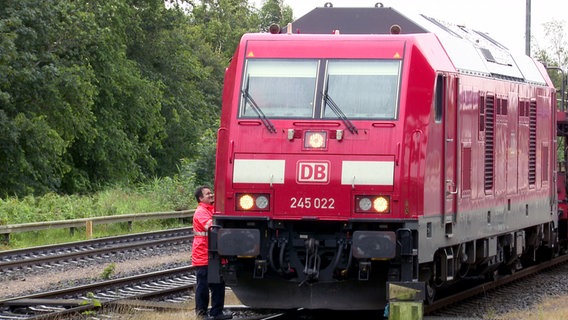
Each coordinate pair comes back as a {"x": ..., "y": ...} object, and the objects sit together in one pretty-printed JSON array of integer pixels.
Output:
[
  {"x": 532, "y": 143},
  {"x": 489, "y": 141}
]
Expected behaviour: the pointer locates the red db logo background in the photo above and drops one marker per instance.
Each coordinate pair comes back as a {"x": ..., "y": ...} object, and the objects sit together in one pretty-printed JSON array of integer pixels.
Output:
[{"x": 312, "y": 172}]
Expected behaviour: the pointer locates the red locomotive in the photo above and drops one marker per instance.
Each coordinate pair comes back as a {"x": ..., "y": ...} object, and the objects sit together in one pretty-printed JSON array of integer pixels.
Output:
[{"x": 351, "y": 156}]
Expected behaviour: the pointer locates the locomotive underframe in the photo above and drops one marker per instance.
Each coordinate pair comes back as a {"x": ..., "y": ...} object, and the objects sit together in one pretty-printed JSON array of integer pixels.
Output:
[
  {"x": 280, "y": 263},
  {"x": 486, "y": 243},
  {"x": 274, "y": 264}
]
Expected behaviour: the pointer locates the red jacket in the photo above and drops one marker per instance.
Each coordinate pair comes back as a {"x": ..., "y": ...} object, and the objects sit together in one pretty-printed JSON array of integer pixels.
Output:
[{"x": 202, "y": 220}]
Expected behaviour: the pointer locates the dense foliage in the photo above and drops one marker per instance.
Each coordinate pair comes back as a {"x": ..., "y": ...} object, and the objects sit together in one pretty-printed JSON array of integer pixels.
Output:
[
  {"x": 554, "y": 55},
  {"x": 98, "y": 93}
]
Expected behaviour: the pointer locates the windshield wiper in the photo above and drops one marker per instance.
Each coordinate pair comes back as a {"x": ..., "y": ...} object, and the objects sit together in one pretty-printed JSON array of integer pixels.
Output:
[
  {"x": 258, "y": 111},
  {"x": 335, "y": 108}
]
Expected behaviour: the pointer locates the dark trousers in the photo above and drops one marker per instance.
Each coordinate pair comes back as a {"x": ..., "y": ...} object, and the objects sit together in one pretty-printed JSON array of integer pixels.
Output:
[{"x": 202, "y": 294}]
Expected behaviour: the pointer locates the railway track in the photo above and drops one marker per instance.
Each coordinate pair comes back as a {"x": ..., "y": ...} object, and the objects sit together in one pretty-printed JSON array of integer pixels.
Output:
[
  {"x": 164, "y": 290},
  {"x": 452, "y": 304},
  {"x": 170, "y": 289},
  {"x": 22, "y": 261},
  {"x": 174, "y": 284}
]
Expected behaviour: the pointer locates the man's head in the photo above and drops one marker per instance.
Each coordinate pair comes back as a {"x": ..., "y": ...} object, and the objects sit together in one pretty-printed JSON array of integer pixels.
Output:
[{"x": 204, "y": 194}]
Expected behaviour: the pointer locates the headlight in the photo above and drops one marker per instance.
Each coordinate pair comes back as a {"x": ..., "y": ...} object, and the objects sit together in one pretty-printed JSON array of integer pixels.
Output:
[
  {"x": 372, "y": 204},
  {"x": 246, "y": 202},
  {"x": 252, "y": 202},
  {"x": 381, "y": 204},
  {"x": 261, "y": 202},
  {"x": 315, "y": 140},
  {"x": 365, "y": 204}
]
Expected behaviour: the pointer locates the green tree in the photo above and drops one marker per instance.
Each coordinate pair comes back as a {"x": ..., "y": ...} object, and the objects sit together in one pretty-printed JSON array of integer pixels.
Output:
[
  {"x": 223, "y": 22},
  {"x": 555, "y": 54},
  {"x": 174, "y": 53},
  {"x": 112, "y": 91},
  {"x": 75, "y": 103},
  {"x": 275, "y": 12},
  {"x": 127, "y": 106},
  {"x": 46, "y": 91}
]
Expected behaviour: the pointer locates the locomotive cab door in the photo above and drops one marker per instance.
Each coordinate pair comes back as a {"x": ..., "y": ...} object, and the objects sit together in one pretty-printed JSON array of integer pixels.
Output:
[{"x": 447, "y": 96}]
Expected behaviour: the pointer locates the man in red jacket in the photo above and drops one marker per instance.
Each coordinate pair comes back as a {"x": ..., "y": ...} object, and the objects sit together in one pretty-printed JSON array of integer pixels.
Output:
[{"x": 202, "y": 220}]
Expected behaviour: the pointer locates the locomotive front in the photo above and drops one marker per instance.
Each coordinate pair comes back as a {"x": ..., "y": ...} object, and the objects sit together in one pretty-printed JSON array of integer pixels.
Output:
[{"x": 313, "y": 197}]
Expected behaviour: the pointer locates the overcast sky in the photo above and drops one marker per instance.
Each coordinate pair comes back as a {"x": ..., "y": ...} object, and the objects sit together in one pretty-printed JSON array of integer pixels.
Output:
[{"x": 504, "y": 20}]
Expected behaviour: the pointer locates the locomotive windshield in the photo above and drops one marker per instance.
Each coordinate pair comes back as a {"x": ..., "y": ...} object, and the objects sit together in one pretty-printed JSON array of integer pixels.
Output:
[
  {"x": 280, "y": 88},
  {"x": 294, "y": 88}
]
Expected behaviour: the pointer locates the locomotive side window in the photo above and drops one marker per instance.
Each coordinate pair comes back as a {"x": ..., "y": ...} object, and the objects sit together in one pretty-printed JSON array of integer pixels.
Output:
[
  {"x": 466, "y": 170},
  {"x": 363, "y": 88},
  {"x": 439, "y": 98},
  {"x": 279, "y": 88},
  {"x": 481, "y": 107},
  {"x": 544, "y": 164}
]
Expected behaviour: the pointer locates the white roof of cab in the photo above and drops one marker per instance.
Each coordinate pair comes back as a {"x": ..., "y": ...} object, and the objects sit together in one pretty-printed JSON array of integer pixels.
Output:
[
  {"x": 470, "y": 51},
  {"x": 475, "y": 52}
]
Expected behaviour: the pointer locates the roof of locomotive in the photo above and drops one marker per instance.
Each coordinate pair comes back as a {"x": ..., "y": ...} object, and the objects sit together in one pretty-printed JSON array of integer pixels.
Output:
[{"x": 471, "y": 51}]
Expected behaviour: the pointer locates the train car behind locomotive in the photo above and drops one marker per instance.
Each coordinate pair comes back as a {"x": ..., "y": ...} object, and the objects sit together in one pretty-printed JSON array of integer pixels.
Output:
[{"x": 350, "y": 157}]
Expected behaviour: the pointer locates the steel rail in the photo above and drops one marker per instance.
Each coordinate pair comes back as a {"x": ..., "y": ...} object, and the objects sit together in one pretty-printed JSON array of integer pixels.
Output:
[
  {"x": 105, "y": 293},
  {"x": 84, "y": 249},
  {"x": 492, "y": 285},
  {"x": 9, "y": 254}
]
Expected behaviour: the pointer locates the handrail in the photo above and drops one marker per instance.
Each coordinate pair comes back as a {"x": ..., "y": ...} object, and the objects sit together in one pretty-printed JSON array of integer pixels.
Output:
[
  {"x": 89, "y": 222},
  {"x": 562, "y": 107}
]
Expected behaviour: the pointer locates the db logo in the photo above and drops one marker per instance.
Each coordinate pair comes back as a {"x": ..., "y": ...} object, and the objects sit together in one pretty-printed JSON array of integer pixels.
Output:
[{"x": 312, "y": 172}]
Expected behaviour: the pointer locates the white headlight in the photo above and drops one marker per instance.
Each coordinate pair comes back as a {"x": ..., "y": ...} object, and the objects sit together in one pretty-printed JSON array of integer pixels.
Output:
[
  {"x": 365, "y": 204},
  {"x": 261, "y": 202}
]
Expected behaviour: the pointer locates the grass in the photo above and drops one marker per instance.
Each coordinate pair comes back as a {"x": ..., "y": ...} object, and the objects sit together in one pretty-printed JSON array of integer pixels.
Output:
[
  {"x": 159, "y": 195},
  {"x": 56, "y": 236},
  {"x": 188, "y": 313},
  {"x": 552, "y": 308}
]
